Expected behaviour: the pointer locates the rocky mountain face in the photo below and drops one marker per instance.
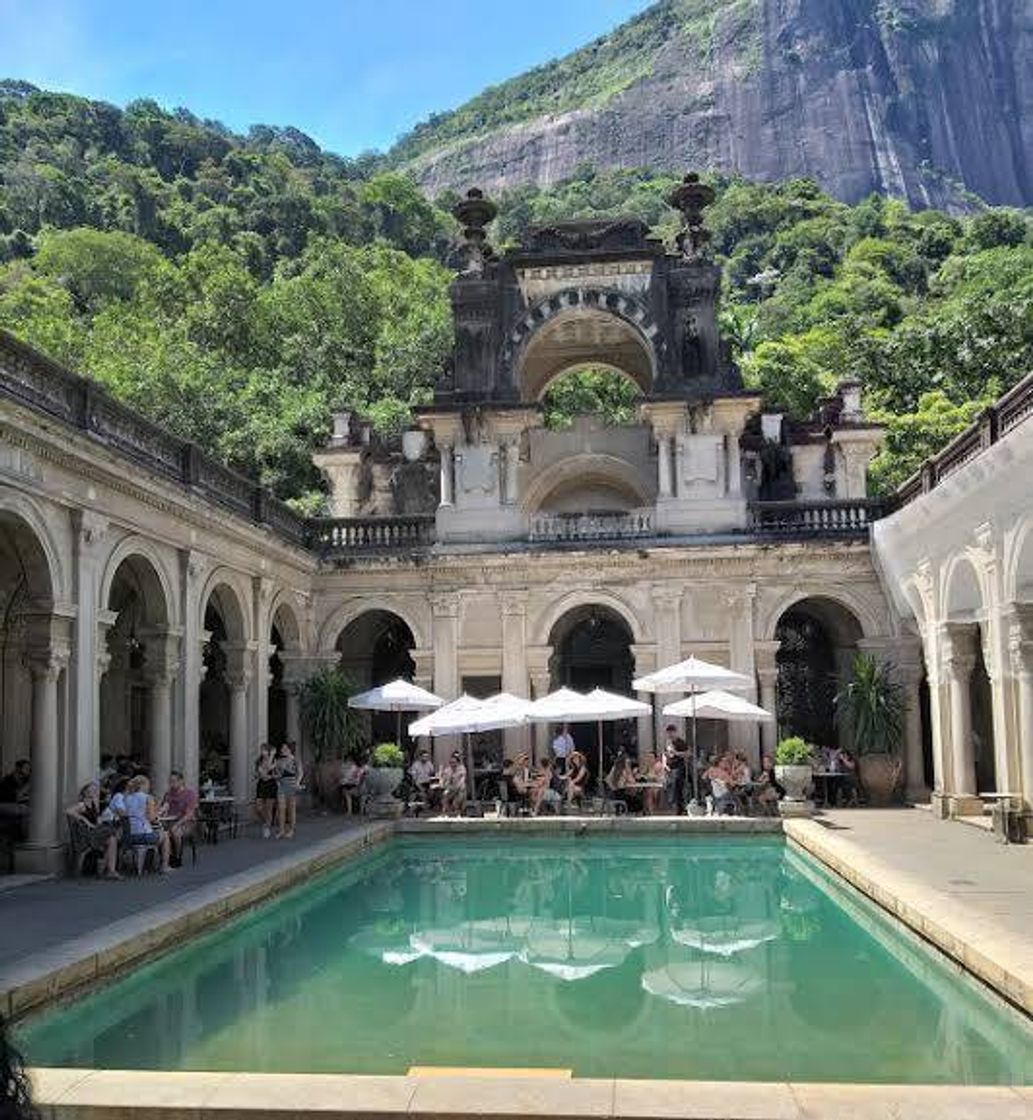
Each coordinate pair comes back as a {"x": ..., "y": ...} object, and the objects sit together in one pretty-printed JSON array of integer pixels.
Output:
[{"x": 925, "y": 100}]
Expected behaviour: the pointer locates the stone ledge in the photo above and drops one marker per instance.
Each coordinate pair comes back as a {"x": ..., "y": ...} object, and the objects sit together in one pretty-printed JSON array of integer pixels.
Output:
[
  {"x": 75, "y": 964},
  {"x": 592, "y": 825},
  {"x": 135, "y": 1095},
  {"x": 973, "y": 942}
]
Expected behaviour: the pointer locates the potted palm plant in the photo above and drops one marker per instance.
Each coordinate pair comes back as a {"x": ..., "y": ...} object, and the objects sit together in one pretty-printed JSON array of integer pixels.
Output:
[
  {"x": 793, "y": 767},
  {"x": 873, "y": 705},
  {"x": 332, "y": 729}
]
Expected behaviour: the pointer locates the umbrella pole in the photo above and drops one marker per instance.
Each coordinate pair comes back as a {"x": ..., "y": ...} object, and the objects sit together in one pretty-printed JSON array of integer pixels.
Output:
[
  {"x": 695, "y": 768},
  {"x": 398, "y": 728},
  {"x": 599, "y": 740},
  {"x": 469, "y": 767}
]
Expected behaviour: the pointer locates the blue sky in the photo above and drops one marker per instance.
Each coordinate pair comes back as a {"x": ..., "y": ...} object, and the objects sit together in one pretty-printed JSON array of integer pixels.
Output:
[{"x": 353, "y": 74}]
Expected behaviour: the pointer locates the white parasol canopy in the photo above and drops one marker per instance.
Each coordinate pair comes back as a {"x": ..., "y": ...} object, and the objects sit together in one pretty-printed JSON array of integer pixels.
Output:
[
  {"x": 718, "y": 704},
  {"x": 611, "y": 706},
  {"x": 398, "y": 696},
  {"x": 470, "y": 714},
  {"x": 562, "y": 706},
  {"x": 691, "y": 675}
]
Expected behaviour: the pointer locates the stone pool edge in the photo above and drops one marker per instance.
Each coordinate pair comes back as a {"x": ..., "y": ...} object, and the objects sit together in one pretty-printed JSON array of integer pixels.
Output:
[
  {"x": 68, "y": 1094},
  {"x": 74, "y": 965},
  {"x": 934, "y": 917}
]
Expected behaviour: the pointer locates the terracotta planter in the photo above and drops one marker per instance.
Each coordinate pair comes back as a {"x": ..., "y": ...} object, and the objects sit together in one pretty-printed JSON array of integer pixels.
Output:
[
  {"x": 880, "y": 776},
  {"x": 797, "y": 781}
]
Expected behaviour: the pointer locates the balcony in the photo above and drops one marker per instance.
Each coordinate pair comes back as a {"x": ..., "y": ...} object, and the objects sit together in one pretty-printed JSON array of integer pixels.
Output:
[
  {"x": 835, "y": 519},
  {"x": 562, "y": 527},
  {"x": 346, "y": 535}
]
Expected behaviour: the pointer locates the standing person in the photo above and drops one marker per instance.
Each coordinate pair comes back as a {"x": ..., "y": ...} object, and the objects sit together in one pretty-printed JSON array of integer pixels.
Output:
[
  {"x": 180, "y": 804},
  {"x": 288, "y": 779},
  {"x": 266, "y": 790},
  {"x": 562, "y": 745},
  {"x": 676, "y": 767},
  {"x": 142, "y": 814}
]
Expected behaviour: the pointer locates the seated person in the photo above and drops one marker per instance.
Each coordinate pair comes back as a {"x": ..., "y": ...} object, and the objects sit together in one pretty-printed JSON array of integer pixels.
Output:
[
  {"x": 770, "y": 790},
  {"x": 422, "y": 772},
  {"x": 545, "y": 788},
  {"x": 353, "y": 774},
  {"x": 652, "y": 771},
  {"x": 14, "y": 800},
  {"x": 141, "y": 814},
  {"x": 180, "y": 804},
  {"x": 453, "y": 785},
  {"x": 721, "y": 781},
  {"x": 103, "y": 836},
  {"x": 847, "y": 780},
  {"x": 577, "y": 776}
]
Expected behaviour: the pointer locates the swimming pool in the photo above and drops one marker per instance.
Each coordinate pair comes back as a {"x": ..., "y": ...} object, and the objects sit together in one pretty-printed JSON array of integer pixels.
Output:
[{"x": 689, "y": 958}]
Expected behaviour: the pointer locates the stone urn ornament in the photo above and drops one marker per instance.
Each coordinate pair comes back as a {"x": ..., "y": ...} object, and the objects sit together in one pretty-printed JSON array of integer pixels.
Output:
[
  {"x": 387, "y": 768},
  {"x": 794, "y": 762}
]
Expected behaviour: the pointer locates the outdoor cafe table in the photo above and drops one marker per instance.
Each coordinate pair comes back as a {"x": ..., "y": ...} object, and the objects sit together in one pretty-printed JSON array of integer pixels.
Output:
[
  {"x": 216, "y": 814},
  {"x": 826, "y": 785}
]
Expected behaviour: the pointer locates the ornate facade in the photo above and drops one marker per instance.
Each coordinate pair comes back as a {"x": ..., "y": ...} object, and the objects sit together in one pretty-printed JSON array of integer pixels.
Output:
[{"x": 154, "y": 603}]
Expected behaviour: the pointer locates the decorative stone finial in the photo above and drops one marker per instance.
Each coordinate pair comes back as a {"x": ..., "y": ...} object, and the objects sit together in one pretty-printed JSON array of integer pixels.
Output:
[
  {"x": 474, "y": 213},
  {"x": 692, "y": 197}
]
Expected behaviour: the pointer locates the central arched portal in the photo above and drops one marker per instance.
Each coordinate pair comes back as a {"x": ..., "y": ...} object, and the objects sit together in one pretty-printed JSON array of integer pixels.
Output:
[
  {"x": 375, "y": 649},
  {"x": 592, "y": 649}
]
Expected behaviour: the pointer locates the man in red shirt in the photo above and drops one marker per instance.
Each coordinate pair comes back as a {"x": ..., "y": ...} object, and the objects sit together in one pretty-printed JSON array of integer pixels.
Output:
[{"x": 180, "y": 806}]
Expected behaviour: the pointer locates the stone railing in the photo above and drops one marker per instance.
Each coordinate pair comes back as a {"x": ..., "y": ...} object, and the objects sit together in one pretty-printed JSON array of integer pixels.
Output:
[
  {"x": 557, "y": 527},
  {"x": 30, "y": 379},
  {"x": 1006, "y": 413},
  {"x": 344, "y": 535},
  {"x": 816, "y": 519}
]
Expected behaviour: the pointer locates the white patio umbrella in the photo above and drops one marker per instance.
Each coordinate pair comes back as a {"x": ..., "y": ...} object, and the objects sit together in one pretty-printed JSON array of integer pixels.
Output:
[
  {"x": 468, "y": 714},
  {"x": 611, "y": 707},
  {"x": 693, "y": 675},
  {"x": 398, "y": 696},
  {"x": 718, "y": 704}
]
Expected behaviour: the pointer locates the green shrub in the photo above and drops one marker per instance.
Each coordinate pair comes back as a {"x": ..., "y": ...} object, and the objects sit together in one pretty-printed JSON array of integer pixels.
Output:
[
  {"x": 793, "y": 752},
  {"x": 388, "y": 756}
]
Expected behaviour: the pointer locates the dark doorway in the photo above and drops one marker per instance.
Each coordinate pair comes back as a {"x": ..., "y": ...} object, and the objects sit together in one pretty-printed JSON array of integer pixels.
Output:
[
  {"x": 983, "y": 722},
  {"x": 375, "y": 650}
]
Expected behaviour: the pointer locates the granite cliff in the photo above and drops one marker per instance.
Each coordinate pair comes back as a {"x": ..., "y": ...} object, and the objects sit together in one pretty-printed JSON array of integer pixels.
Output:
[{"x": 925, "y": 100}]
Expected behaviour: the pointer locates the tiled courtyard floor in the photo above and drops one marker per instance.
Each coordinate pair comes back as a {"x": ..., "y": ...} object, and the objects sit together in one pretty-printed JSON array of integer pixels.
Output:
[{"x": 46, "y": 913}]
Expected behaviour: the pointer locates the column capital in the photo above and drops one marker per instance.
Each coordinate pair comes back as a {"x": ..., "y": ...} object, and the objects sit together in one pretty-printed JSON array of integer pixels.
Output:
[
  {"x": 514, "y": 603},
  {"x": 240, "y": 664},
  {"x": 666, "y": 597},
  {"x": 47, "y": 664},
  {"x": 444, "y": 604},
  {"x": 1020, "y": 638},
  {"x": 162, "y": 655},
  {"x": 958, "y": 654},
  {"x": 90, "y": 527}
]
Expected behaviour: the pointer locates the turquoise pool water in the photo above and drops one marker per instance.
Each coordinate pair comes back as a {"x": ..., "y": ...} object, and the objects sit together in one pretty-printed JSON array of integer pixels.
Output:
[{"x": 674, "y": 958}]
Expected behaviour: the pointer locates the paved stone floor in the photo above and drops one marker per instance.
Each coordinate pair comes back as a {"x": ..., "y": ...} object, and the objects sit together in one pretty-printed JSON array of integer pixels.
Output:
[
  {"x": 44, "y": 913},
  {"x": 956, "y": 885}
]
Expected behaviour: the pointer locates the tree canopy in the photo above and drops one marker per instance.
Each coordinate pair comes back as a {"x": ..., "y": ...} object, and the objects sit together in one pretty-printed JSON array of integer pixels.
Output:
[{"x": 239, "y": 289}]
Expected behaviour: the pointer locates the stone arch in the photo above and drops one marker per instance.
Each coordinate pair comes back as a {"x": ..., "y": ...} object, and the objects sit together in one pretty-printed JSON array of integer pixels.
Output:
[
  {"x": 137, "y": 559},
  {"x": 588, "y": 307},
  {"x": 223, "y": 590},
  {"x": 964, "y": 589},
  {"x": 866, "y": 615},
  {"x": 18, "y": 511},
  {"x": 348, "y": 612},
  {"x": 1019, "y": 567},
  {"x": 586, "y": 471},
  {"x": 284, "y": 615},
  {"x": 589, "y": 597}
]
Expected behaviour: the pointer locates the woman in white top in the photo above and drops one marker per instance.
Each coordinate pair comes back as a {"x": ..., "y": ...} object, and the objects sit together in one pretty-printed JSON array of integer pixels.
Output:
[{"x": 142, "y": 814}]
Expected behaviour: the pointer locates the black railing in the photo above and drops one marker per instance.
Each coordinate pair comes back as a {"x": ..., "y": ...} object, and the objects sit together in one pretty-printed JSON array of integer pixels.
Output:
[
  {"x": 345, "y": 535},
  {"x": 1007, "y": 413},
  {"x": 849, "y": 518},
  {"x": 29, "y": 378}
]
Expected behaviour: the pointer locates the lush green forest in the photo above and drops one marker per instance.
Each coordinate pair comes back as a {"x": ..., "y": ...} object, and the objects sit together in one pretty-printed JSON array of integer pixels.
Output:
[{"x": 239, "y": 288}]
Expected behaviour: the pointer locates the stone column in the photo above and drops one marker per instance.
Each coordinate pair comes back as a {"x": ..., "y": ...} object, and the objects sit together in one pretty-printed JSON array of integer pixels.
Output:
[
  {"x": 743, "y": 736},
  {"x": 959, "y": 659},
  {"x": 514, "y": 663},
  {"x": 44, "y": 757},
  {"x": 645, "y": 663},
  {"x": 511, "y": 471},
  {"x": 1020, "y": 646},
  {"x": 445, "y": 624},
  {"x": 663, "y": 464},
  {"x": 101, "y": 662},
  {"x": 162, "y": 665},
  {"x": 764, "y": 654},
  {"x": 239, "y": 671},
  {"x": 423, "y": 659},
  {"x": 187, "y": 748},
  {"x": 538, "y": 659},
  {"x": 909, "y": 664},
  {"x": 447, "y": 475},
  {"x": 90, "y": 530},
  {"x": 667, "y": 629}
]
